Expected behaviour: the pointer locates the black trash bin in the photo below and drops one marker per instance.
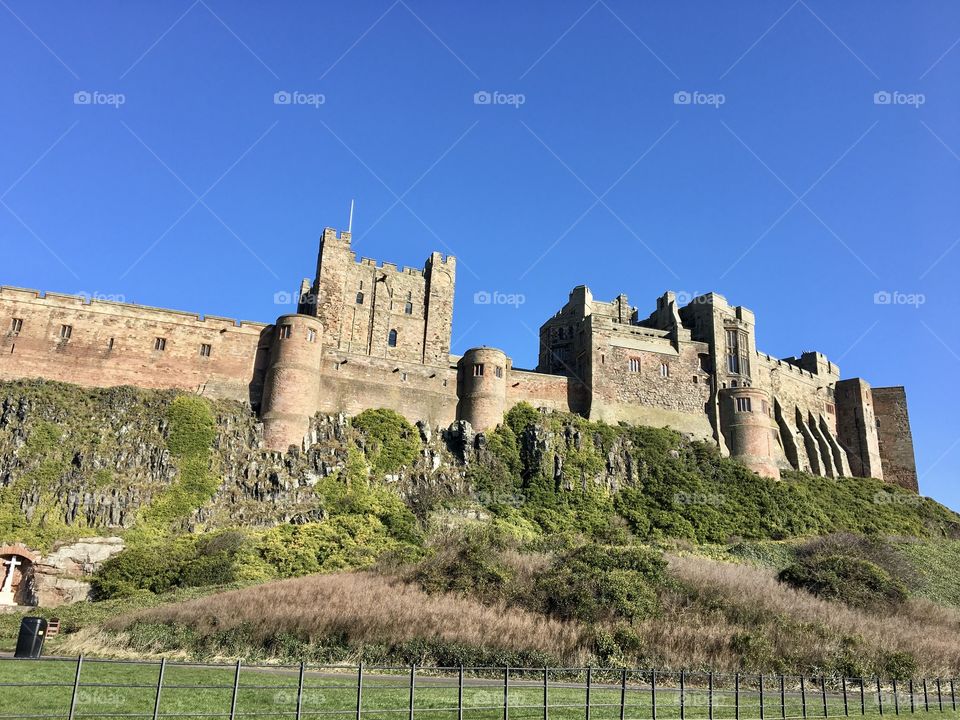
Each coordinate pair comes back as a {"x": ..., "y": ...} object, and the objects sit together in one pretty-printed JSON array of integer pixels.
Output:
[{"x": 30, "y": 640}]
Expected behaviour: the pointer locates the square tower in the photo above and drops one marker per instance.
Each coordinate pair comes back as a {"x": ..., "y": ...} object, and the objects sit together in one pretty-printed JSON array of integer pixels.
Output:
[{"x": 382, "y": 310}]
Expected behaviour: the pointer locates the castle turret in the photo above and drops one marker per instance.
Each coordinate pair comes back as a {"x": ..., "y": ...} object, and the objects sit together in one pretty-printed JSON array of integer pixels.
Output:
[
  {"x": 748, "y": 429},
  {"x": 482, "y": 387},
  {"x": 292, "y": 384}
]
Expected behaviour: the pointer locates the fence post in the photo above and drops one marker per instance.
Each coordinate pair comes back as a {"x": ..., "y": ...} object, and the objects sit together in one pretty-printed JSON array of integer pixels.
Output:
[
  {"x": 359, "y": 689},
  {"x": 460, "y": 694},
  {"x": 823, "y": 694},
  {"x": 653, "y": 694},
  {"x": 236, "y": 691},
  {"x": 783, "y": 699},
  {"x": 761, "y": 696},
  {"x": 736, "y": 696},
  {"x": 863, "y": 697},
  {"x": 846, "y": 704},
  {"x": 926, "y": 697},
  {"x": 803, "y": 695},
  {"x": 156, "y": 702},
  {"x": 953, "y": 695},
  {"x": 911, "y": 695},
  {"x": 623, "y": 694},
  {"x": 896, "y": 699},
  {"x": 879, "y": 697},
  {"x": 589, "y": 683},
  {"x": 413, "y": 685},
  {"x": 76, "y": 687},
  {"x": 506, "y": 693},
  {"x": 710, "y": 695},
  {"x": 299, "y": 692},
  {"x": 546, "y": 672},
  {"x": 683, "y": 692},
  {"x": 939, "y": 696}
]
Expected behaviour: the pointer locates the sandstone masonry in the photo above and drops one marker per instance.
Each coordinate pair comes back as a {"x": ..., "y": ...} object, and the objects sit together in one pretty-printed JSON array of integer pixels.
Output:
[{"x": 370, "y": 335}]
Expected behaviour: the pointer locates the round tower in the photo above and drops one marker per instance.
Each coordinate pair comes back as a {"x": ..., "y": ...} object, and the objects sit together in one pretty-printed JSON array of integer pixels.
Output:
[
  {"x": 482, "y": 387},
  {"x": 748, "y": 429},
  {"x": 291, "y": 387}
]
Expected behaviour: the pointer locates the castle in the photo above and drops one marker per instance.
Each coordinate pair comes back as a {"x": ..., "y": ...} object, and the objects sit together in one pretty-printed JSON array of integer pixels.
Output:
[{"x": 368, "y": 335}]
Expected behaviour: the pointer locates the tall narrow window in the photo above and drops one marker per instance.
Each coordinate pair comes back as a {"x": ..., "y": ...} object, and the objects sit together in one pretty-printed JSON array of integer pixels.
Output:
[
  {"x": 634, "y": 364},
  {"x": 733, "y": 351},
  {"x": 738, "y": 360},
  {"x": 392, "y": 338},
  {"x": 285, "y": 331},
  {"x": 205, "y": 350},
  {"x": 160, "y": 344},
  {"x": 743, "y": 404},
  {"x": 66, "y": 331},
  {"x": 16, "y": 326},
  {"x": 664, "y": 370},
  {"x": 311, "y": 335},
  {"x": 498, "y": 371},
  {"x": 359, "y": 298},
  {"x": 478, "y": 370},
  {"x": 110, "y": 344},
  {"x": 408, "y": 308}
]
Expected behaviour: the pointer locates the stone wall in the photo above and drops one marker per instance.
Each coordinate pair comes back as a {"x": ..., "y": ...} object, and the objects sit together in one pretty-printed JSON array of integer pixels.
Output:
[
  {"x": 857, "y": 427},
  {"x": 896, "y": 439},
  {"x": 113, "y": 344},
  {"x": 352, "y": 383}
]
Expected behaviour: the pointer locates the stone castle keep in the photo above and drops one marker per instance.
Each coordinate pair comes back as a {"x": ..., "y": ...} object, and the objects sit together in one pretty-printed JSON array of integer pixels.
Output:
[{"x": 368, "y": 335}]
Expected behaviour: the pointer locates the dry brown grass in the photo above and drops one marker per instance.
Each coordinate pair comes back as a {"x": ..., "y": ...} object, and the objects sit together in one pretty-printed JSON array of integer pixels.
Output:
[
  {"x": 790, "y": 627},
  {"x": 365, "y": 608}
]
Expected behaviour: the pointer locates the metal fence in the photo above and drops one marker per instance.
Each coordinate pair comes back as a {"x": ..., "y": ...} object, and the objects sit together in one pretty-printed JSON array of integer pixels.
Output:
[{"x": 94, "y": 689}]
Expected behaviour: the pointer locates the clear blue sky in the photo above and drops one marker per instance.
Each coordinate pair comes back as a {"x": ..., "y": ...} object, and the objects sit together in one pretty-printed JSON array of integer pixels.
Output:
[{"x": 786, "y": 184}]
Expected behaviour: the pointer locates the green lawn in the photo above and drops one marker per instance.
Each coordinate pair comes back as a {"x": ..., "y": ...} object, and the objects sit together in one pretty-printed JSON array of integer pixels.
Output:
[{"x": 112, "y": 689}]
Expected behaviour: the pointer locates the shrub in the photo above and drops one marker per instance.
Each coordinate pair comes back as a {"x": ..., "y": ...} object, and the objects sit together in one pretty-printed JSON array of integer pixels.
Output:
[
  {"x": 217, "y": 558},
  {"x": 594, "y": 582},
  {"x": 191, "y": 426},
  {"x": 851, "y": 580},
  {"x": 390, "y": 442},
  {"x": 340, "y": 543},
  {"x": 467, "y": 563}
]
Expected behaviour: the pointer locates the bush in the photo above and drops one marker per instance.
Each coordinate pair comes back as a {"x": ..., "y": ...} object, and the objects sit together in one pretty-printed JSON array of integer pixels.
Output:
[
  {"x": 191, "y": 561},
  {"x": 390, "y": 442},
  {"x": 601, "y": 583},
  {"x": 851, "y": 580},
  {"x": 467, "y": 563},
  {"x": 341, "y": 543}
]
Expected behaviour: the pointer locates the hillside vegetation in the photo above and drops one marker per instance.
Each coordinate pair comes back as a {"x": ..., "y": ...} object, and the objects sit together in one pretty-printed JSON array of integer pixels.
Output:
[{"x": 551, "y": 539}]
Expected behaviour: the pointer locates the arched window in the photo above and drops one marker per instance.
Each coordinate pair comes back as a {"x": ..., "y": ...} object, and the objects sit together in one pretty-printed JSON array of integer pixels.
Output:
[
  {"x": 359, "y": 298},
  {"x": 392, "y": 338},
  {"x": 408, "y": 308}
]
